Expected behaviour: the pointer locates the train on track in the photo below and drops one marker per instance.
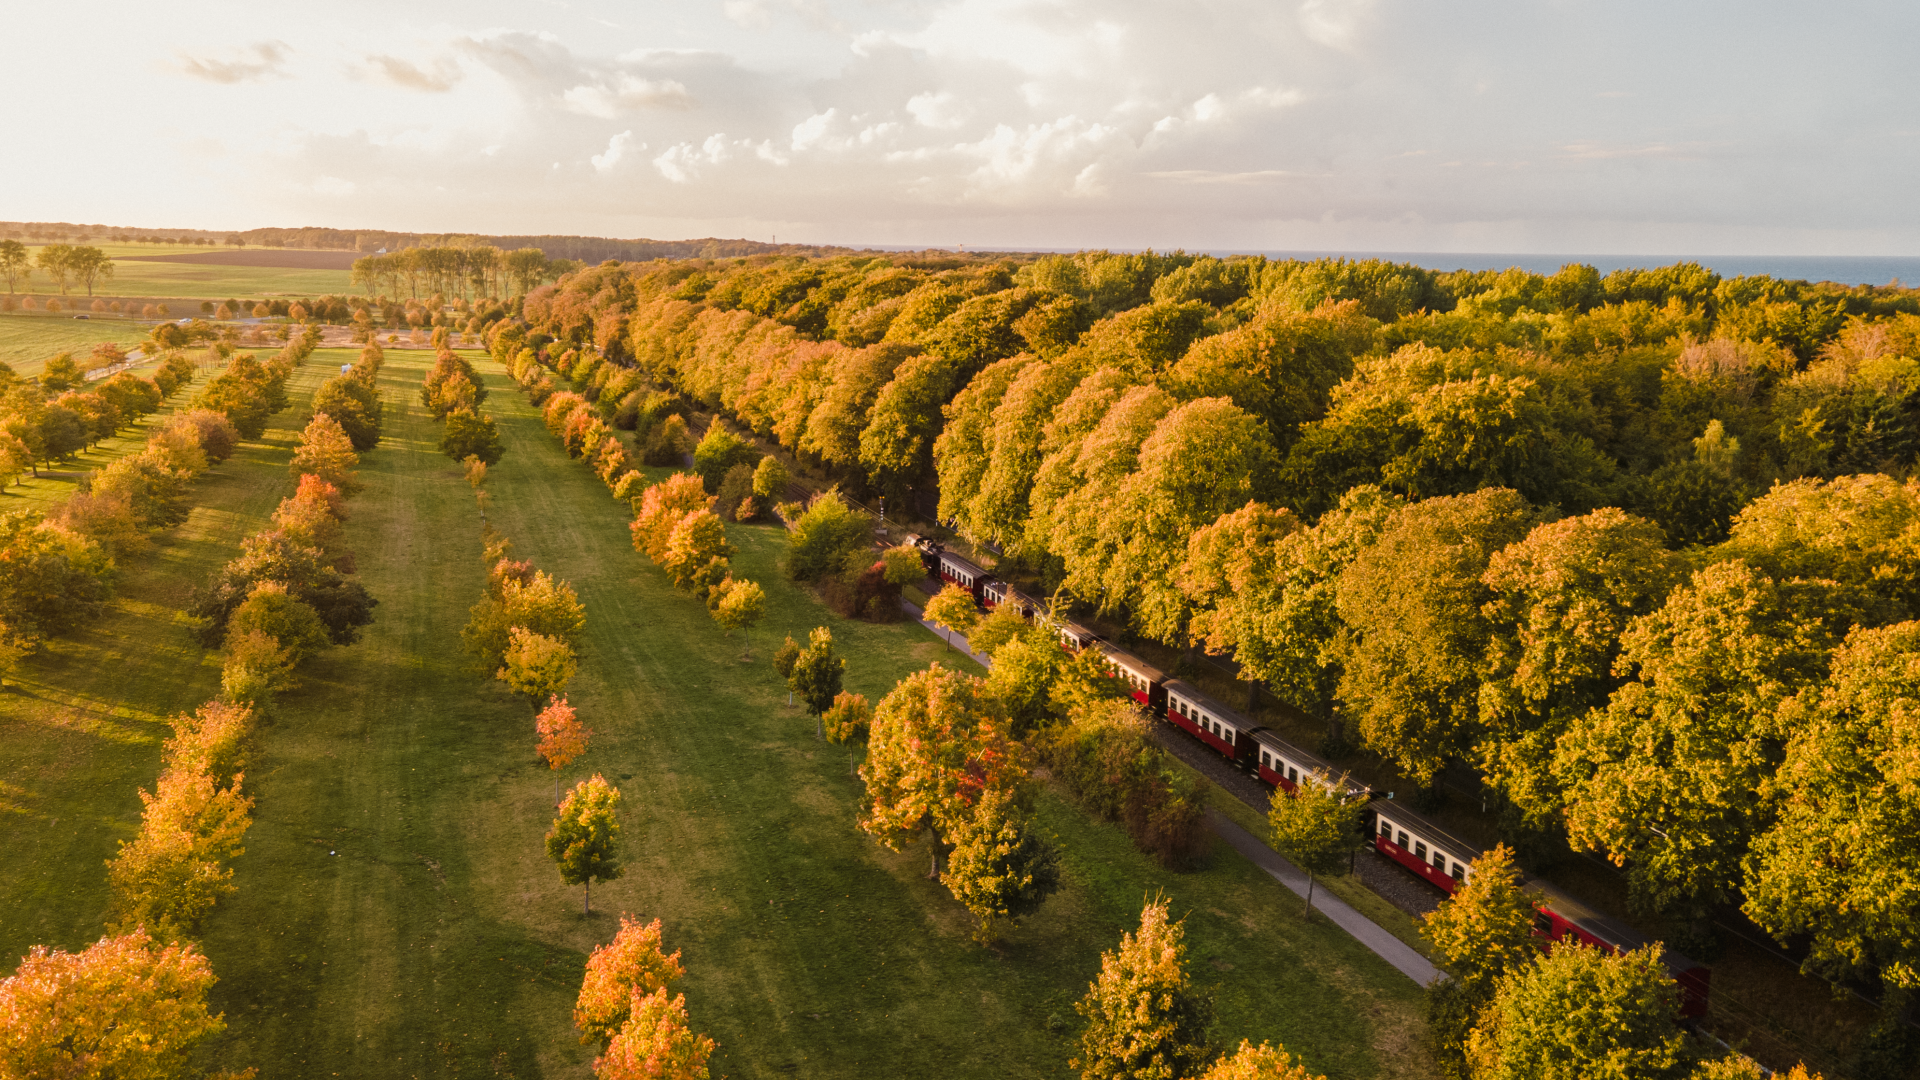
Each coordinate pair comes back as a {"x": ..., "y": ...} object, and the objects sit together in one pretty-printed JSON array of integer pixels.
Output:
[{"x": 1394, "y": 830}]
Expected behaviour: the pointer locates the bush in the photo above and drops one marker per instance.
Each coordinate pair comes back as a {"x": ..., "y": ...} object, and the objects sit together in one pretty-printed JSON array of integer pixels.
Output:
[
  {"x": 355, "y": 405},
  {"x": 822, "y": 538},
  {"x": 719, "y": 451},
  {"x": 667, "y": 444},
  {"x": 471, "y": 434},
  {"x": 736, "y": 491},
  {"x": 1107, "y": 757},
  {"x": 270, "y": 611}
]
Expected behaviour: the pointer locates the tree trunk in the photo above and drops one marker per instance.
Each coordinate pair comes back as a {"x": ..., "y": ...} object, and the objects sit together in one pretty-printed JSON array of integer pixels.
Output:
[
  {"x": 589, "y": 896},
  {"x": 1253, "y": 695},
  {"x": 556, "y": 787},
  {"x": 1307, "y": 912},
  {"x": 933, "y": 850}
]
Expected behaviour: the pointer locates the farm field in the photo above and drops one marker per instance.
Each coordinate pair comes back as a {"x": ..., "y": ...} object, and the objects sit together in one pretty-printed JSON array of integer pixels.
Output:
[
  {"x": 396, "y": 914},
  {"x": 208, "y": 281},
  {"x": 28, "y": 341}
]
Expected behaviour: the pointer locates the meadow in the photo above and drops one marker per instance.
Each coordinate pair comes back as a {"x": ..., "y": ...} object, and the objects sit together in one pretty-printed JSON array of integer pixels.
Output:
[
  {"x": 397, "y": 916},
  {"x": 204, "y": 281},
  {"x": 27, "y": 342}
]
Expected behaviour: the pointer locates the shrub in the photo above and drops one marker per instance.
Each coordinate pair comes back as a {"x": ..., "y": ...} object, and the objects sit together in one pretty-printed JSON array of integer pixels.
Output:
[
  {"x": 667, "y": 443},
  {"x": 1107, "y": 757},
  {"x": 822, "y": 538},
  {"x": 471, "y": 434},
  {"x": 719, "y": 451},
  {"x": 269, "y": 610},
  {"x": 736, "y": 491}
]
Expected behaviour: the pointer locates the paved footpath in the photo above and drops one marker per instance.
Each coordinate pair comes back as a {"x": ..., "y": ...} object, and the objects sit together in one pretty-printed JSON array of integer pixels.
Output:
[{"x": 1365, "y": 930}]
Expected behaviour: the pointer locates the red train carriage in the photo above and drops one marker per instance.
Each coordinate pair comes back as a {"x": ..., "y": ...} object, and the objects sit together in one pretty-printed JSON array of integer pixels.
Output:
[
  {"x": 1073, "y": 636},
  {"x": 964, "y": 573},
  {"x": 1226, "y": 731},
  {"x": 1562, "y": 918},
  {"x": 1146, "y": 682},
  {"x": 1421, "y": 846},
  {"x": 1281, "y": 764},
  {"x": 1444, "y": 860}
]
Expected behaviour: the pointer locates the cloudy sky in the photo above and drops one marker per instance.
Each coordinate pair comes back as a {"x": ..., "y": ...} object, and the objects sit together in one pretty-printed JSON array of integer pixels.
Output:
[{"x": 1388, "y": 125}]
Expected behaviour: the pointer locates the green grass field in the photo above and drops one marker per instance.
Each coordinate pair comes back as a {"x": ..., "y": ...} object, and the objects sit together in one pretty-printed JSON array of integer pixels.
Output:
[
  {"x": 27, "y": 342},
  {"x": 396, "y": 914},
  {"x": 199, "y": 280}
]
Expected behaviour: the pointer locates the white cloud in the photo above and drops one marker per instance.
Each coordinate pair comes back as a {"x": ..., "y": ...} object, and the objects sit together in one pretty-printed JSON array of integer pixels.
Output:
[
  {"x": 627, "y": 93},
  {"x": 1337, "y": 24},
  {"x": 617, "y": 148},
  {"x": 439, "y": 78},
  {"x": 942, "y": 110},
  {"x": 333, "y": 187},
  {"x": 259, "y": 61}
]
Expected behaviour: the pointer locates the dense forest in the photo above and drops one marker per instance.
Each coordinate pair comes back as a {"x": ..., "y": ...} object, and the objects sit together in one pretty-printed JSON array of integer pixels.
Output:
[{"x": 1640, "y": 550}]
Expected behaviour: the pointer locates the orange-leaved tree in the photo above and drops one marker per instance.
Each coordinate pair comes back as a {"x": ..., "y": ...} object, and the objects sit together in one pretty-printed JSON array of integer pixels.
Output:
[
  {"x": 938, "y": 741},
  {"x": 124, "y": 1007},
  {"x": 656, "y": 1043},
  {"x": 563, "y": 738},
  {"x": 633, "y": 962}
]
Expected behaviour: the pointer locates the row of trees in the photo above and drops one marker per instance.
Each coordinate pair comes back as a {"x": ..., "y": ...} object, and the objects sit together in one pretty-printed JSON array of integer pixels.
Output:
[
  {"x": 136, "y": 1003},
  {"x": 64, "y": 264},
  {"x": 479, "y": 271}
]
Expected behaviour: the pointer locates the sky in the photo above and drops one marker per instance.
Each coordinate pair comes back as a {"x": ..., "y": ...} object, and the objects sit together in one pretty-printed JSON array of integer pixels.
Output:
[{"x": 1618, "y": 127}]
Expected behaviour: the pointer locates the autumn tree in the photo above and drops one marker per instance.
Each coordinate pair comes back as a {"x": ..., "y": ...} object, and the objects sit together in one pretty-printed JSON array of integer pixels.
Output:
[
  {"x": 1145, "y": 1018},
  {"x": 632, "y": 964},
  {"x": 563, "y": 738},
  {"x": 787, "y": 655},
  {"x": 470, "y": 433},
  {"x": 292, "y": 623},
  {"x": 1317, "y": 826},
  {"x": 738, "y": 605},
  {"x": 1669, "y": 778},
  {"x": 537, "y": 603},
  {"x": 770, "y": 480},
  {"x": 326, "y": 452},
  {"x": 1840, "y": 868},
  {"x": 126, "y": 1006},
  {"x": 585, "y": 838},
  {"x": 656, "y": 1043},
  {"x": 15, "y": 264},
  {"x": 1560, "y": 600},
  {"x": 1001, "y": 868},
  {"x": 536, "y": 665},
  {"x": 1412, "y": 604},
  {"x": 1484, "y": 932},
  {"x": 1579, "y": 1012},
  {"x": 697, "y": 552},
  {"x": 173, "y": 871},
  {"x": 952, "y": 610},
  {"x": 355, "y": 405},
  {"x": 816, "y": 674},
  {"x": 661, "y": 508},
  {"x": 938, "y": 742},
  {"x": 1263, "y": 1062}
]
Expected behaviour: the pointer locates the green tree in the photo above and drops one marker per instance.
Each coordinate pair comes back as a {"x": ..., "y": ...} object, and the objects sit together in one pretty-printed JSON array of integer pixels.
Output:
[
  {"x": 1577, "y": 1013},
  {"x": 61, "y": 374},
  {"x": 355, "y": 406},
  {"x": 1281, "y": 366},
  {"x": 1001, "y": 869},
  {"x": 1840, "y": 867},
  {"x": 820, "y": 541},
  {"x": 718, "y": 451},
  {"x": 1669, "y": 778},
  {"x": 53, "y": 261},
  {"x": 1145, "y": 1018},
  {"x": 540, "y": 604},
  {"x": 1560, "y": 600},
  {"x": 904, "y": 565},
  {"x": 1412, "y": 602},
  {"x": 293, "y": 625},
  {"x": 15, "y": 263},
  {"x": 770, "y": 480},
  {"x": 89, "y": 265},
  {"x": 896, "y": 447},
  {"x": 1024, "y": 671},
  {"x": 471, "y": 434},
  {"x": 816, "y": 673},
  {"x": 952, "y": 609},
  {"x": 1317, "y": 826},
  {"x": 585, "y": 838}
]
